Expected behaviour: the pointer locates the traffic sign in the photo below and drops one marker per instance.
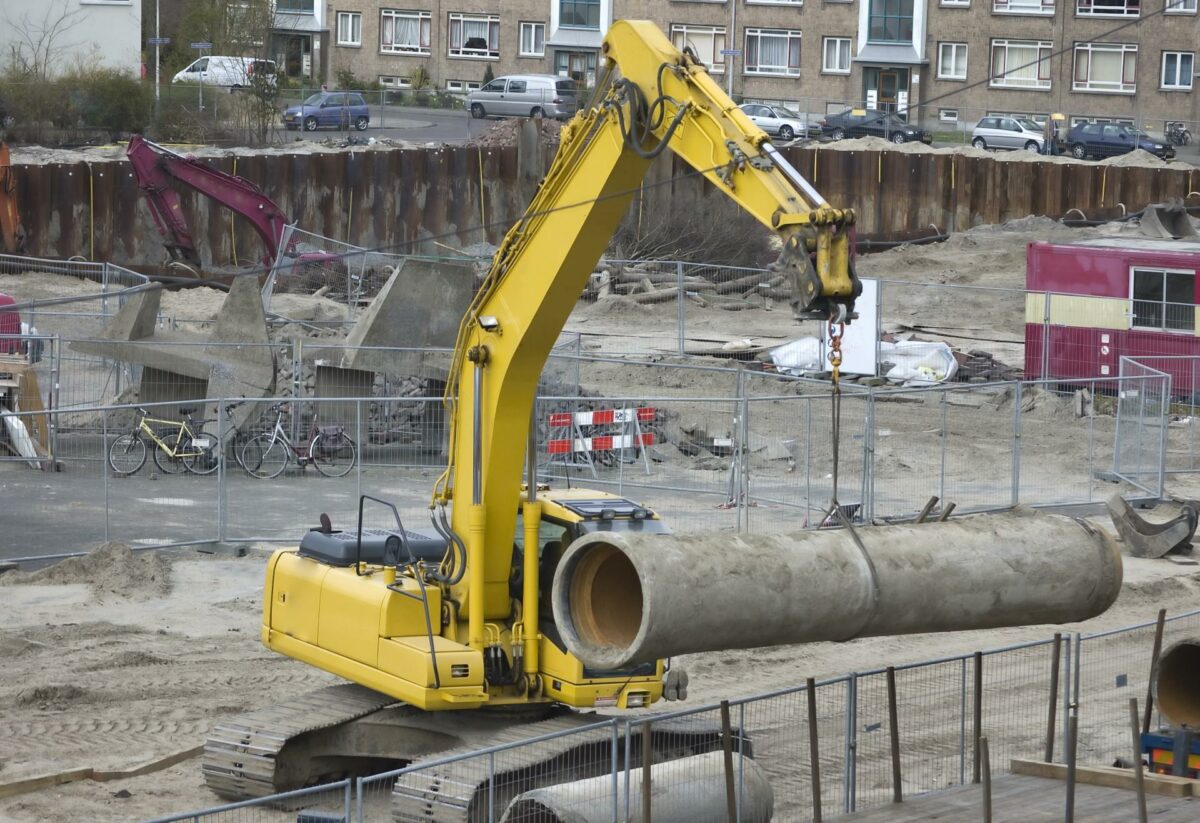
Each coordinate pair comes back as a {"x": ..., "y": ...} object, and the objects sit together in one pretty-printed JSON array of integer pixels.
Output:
[
  {"x": 159, "y": 41},
  {"x": 732, "y": 52},
  {"x": 202, "y": 45}
]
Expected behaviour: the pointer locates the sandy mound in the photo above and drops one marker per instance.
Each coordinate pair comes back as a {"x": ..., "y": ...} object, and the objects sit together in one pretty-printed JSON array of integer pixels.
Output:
[
  {"x": 36, "y": 285},
  {"x": 878, "y": 144},
  {"x": 110, "y": 569}
]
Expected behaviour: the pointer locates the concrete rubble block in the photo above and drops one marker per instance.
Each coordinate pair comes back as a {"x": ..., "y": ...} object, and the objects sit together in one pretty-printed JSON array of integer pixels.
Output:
[
  {"x": 238, "y": 351},
  {"x": 137, "y": 319},
  {"x": 623, "y": 597},
  {"x": 419, "y": 307}
]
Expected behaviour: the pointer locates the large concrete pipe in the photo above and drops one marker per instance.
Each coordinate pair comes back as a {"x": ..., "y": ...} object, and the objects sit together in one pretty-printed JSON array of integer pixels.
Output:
[
  {"x": 687, "y": 790},
  {"x": 622, "y": 598},
  {"x": 1176, "y": 682}
]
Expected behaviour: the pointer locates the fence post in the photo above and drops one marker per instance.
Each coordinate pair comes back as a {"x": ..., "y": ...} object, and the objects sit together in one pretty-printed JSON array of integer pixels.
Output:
[
  {"x": 868, "y": 469},
  {"x": 1055, "y": 661},
  {"x": 491, "y": 800},
  {"x": 53, "y": 399},
  {"x": 647, "y": 781},
  {"x": 814, "y": 747},
  {"x": 616, "y": 786},
  {"x": 894, "y": 735},
  {"x": 727, "y": 748},
  {"x": 1016, "y": 441},
  {"x": 1163, "y": 418},
  {"x": 1137, "y": 759},
  {"x": 977, "y": 717},
  {"x": 680, "y": 303},
  {"x": 359, "y": 444},
  {"x": 743, "y": 451},
  {"x": 628, "y": 764},
  {"x": 348, "y": 805},
  {"x": 359, "y": 802},
  {"x": 1045, "y": 375},
  {"x": 878, "y": 325},
  {"x": 1154, "y": 653},
  {"x": 942, "y": 473},
  {"x": 1068, "y": 677},
  {"x": 104, "y": 466},
  {"x": 962, "y": 722},
  {"x": 219, "y": 456},
  {"x": 850, "y": 792}
]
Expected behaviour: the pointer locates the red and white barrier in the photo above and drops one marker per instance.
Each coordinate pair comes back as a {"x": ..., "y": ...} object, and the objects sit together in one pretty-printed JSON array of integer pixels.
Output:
[{"x": 630, "y": 435}]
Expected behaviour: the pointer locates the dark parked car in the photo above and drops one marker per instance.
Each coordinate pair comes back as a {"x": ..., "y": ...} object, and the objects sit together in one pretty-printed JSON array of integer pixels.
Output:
[
  {"x": 337, "y": 109},
  {"x": 874, "y": 123},
  {"x": 1109, "y": 139}
]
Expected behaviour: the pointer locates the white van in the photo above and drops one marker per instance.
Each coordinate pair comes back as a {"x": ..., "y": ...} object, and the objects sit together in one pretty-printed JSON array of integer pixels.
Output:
[
  {"x": 526, "y": 95},
  {"x": 229, "y": 72}
]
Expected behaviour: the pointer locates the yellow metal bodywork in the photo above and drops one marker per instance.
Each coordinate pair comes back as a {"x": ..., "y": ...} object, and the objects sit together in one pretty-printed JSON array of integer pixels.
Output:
[{"x": 348, "y": 621}]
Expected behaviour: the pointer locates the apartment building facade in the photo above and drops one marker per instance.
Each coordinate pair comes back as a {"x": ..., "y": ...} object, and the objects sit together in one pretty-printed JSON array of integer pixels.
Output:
[
  {"x": 947, "y": 60},
  {"x": 52, "y": 35}
]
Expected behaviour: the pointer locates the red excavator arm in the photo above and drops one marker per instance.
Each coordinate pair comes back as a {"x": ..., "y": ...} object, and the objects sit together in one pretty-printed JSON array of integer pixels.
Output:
[
  {"x": 12, "y": 233},
  {"x": 156, "y": 167}
]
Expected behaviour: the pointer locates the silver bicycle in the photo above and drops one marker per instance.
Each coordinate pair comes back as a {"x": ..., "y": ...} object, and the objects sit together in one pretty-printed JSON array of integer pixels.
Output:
[{"x": 328, "y": 448}]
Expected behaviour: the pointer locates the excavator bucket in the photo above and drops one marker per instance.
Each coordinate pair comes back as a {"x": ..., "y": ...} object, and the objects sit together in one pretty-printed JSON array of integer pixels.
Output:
[
  {"x": 12, "y": 233},
  {"x": 1169, "y": 221},
  {"x": 1146, "y": 539}
]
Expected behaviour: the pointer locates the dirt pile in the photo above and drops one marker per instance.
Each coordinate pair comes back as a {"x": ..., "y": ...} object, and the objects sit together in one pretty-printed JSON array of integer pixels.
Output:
[
  {"x": 505, "y": 132},
  {"x": 1135, "y": 158},
  {"x": 110, "y": 569}
]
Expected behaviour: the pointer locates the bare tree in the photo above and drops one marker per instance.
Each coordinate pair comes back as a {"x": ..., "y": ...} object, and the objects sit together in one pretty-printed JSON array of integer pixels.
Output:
[{"x": 37, "y": 39}]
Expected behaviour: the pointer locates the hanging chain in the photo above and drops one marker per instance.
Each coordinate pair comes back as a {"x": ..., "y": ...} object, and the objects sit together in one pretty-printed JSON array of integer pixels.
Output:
[{"x": 836, "y": 332}]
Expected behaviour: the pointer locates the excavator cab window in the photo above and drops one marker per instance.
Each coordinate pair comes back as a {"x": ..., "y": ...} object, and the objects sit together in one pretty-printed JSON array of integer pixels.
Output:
[{"x": 553, "y": 538}]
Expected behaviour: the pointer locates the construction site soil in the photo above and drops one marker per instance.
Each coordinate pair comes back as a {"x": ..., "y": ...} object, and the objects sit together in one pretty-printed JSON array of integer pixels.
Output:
[{"x": 120, "y": 659}]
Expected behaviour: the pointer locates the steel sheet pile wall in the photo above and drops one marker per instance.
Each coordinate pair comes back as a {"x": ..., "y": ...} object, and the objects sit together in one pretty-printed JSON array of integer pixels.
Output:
[{"x": 395, "y": 198}]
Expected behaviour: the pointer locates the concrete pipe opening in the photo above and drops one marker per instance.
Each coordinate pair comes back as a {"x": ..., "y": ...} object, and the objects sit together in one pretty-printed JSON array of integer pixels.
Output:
[
  {"x": 1175, "y": 683},
  {"x": 605, "y": 597}
]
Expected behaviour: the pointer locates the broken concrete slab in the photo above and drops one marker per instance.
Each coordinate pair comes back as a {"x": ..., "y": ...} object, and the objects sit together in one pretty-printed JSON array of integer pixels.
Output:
[
  {"x": 419, "y": 307},
  {"x": 136, "y": 320}
]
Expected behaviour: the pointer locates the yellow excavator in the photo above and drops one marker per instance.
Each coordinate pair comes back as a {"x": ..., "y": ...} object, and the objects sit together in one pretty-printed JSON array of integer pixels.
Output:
[
  {"x": 446, "y": 632},
  {"x": 522, "y": 605}
]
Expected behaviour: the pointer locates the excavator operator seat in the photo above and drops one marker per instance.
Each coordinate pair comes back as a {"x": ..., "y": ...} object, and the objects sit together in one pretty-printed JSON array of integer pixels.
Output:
[{"x": 379, "y": 546}]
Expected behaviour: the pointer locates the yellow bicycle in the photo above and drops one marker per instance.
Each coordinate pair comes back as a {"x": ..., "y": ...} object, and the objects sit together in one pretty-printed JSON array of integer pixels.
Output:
[{"x": 177, "y": 448}]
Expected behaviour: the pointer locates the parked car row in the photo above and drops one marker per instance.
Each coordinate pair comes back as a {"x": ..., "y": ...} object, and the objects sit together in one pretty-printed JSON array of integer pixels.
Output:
[{"x": 336, "y": 109}]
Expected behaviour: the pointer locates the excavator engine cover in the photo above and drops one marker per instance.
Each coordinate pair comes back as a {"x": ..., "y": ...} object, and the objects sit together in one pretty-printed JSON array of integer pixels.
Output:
[{"x": 378, "y": 546}]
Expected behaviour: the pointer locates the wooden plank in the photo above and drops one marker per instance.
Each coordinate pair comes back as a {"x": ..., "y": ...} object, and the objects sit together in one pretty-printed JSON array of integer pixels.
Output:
[{"x": 1160, "y": 784}]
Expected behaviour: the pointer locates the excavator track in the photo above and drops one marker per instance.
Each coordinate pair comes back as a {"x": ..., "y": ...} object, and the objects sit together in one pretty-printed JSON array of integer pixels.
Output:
[
  {"x": 465, "y": 791},
  {"x": 243, "y": 756}
]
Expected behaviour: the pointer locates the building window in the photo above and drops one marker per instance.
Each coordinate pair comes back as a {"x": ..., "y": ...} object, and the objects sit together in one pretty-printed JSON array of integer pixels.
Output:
[
  {"x": 773, "y": 51},
  {"x": 1180, "y": 7},
  {"x": 404, "y": 32},
  {"x": 391, "y": 81},
  {"x": 948, "y": 115},
  {"x": 890, "y": 21},
  {"x": 774, "y": 2},
  {"x": 961, "y": 4},
  {"x": 1108, "y": 8},
  {"x": 349, "y": 28},
  {"x": 952, "y": 61},
  {"x": 579, "y": 14},
  {"x": 1020, "y": 64},
  {"x": 475, "y": 35},
  {"x": 1023, "y": 6},
  {"x": 835, "y": 55},
  {"x": 706, "y": 41},
  {"x": 462, "y": 85},
  {"x": 295, "y": 6},
  {"x": 533, "y": 39},
  {"x": 1108, "y": 67},
  {"x": 1164, "y": 300},
  {"x": 1177, "y": 69}
]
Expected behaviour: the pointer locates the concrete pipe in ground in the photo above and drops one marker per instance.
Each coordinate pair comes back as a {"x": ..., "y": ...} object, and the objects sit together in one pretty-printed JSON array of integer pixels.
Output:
[
  {"x": 1177, "y": 683},
  {"x": 687, "y": 790},
  {"x": 622, "y": 598}
]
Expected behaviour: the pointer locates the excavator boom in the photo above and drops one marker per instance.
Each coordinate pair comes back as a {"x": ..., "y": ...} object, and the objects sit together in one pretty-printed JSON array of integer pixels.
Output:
[
  {"x": 657, "y": 98},
  {"x": 12, "y": 233}
]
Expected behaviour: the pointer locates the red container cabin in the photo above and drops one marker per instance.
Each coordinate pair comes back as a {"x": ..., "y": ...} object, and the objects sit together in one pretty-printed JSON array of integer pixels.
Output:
[{"x": 1091, "y": 303}]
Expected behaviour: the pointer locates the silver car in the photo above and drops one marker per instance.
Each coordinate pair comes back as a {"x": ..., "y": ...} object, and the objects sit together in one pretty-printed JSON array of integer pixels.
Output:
[
  {"x": 526, "y": 95},
  {"x": 782, "y": 122},
  {"x": 1008, "y": 133}
]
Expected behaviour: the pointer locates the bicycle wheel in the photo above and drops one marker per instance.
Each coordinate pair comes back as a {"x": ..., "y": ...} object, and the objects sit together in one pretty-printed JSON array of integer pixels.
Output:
[
  {"x": 265, "y": 457},
  {"x": 333, "y": 455},
  {"x": 202, "y": 454},
  {"x": 127, "y": 454},
  {"x": 167, "y": 463}
]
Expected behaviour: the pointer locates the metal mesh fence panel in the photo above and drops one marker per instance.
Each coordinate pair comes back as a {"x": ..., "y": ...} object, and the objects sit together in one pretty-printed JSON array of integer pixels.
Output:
[
  {"x": 1111, "y": 668},
  {"x": 1016, "y": 702},
  {"x": 1143, "y": 402}
]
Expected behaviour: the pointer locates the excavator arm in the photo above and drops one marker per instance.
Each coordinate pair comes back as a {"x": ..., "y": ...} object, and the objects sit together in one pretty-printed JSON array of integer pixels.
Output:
[
  {"x": 12, "y": 233},
  {"x": 654, "y": 98},
  {"x": 156, "y": 167}
]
